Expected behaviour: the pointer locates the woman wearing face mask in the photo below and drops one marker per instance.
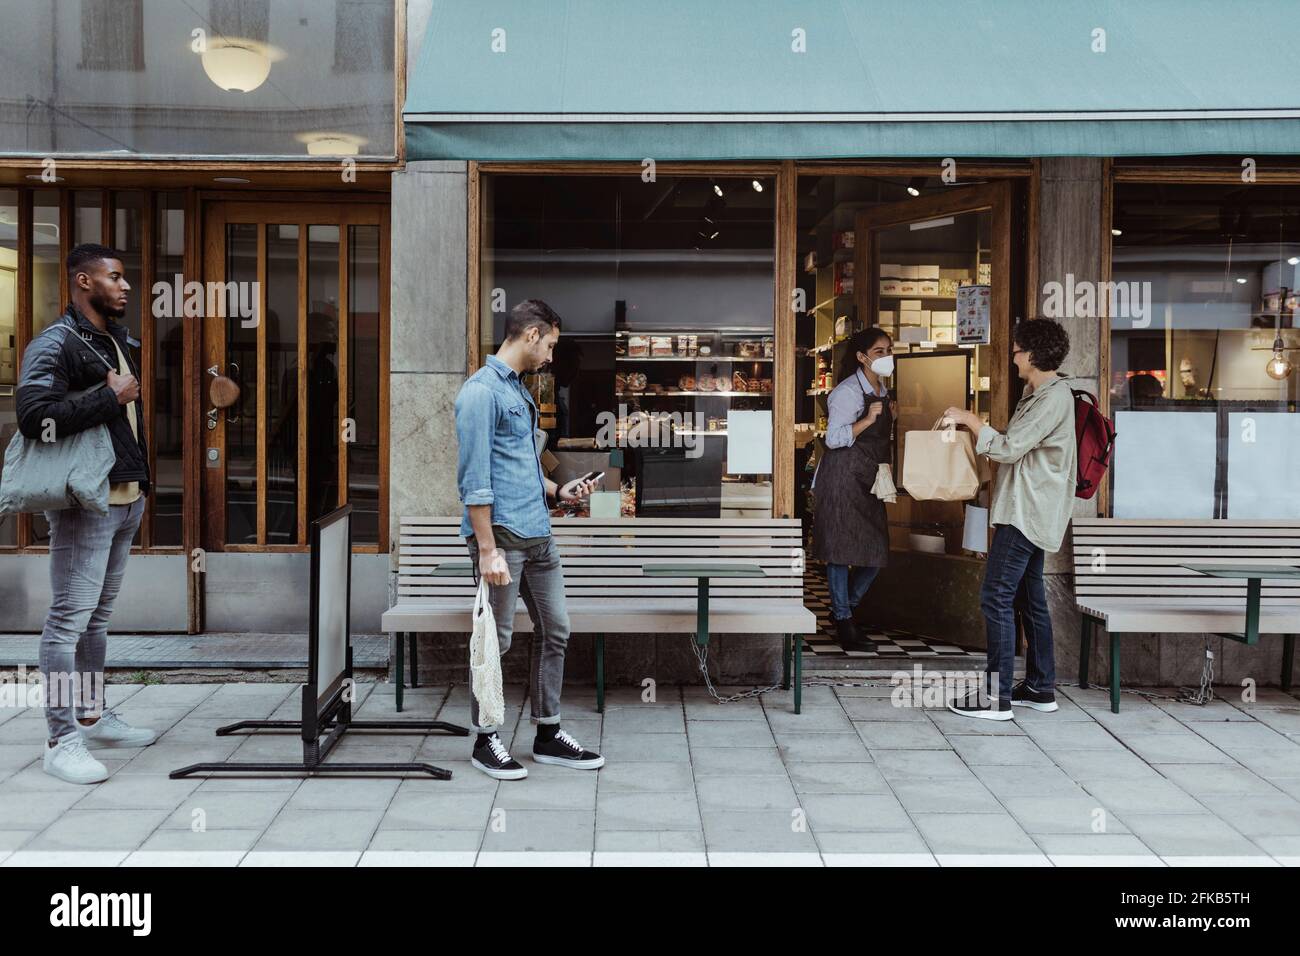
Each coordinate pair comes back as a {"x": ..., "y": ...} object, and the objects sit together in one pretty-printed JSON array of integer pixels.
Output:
[{"x": 850, "y": 531}]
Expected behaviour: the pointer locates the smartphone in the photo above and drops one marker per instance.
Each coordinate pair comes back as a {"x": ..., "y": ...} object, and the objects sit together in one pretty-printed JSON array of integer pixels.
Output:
[{"x": 593, "y": 476}]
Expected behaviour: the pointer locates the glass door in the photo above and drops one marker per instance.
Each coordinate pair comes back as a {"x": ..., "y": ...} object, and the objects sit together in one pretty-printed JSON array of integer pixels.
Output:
[
  {"x": 295, "y": 359},
  {"x": 935, "y": 275}
]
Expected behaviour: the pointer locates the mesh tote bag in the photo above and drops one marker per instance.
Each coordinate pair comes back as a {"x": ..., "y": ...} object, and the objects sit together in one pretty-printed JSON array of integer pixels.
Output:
[{"x": 485, "y": 662}]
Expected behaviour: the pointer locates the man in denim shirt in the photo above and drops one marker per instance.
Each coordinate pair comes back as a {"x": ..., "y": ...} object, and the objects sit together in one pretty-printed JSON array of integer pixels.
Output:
[{"x": 507, "y": 526}]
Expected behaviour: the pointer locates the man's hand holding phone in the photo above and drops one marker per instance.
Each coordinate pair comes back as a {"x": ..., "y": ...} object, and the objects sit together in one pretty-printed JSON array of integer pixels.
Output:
[{"x": 580, "y": 488}]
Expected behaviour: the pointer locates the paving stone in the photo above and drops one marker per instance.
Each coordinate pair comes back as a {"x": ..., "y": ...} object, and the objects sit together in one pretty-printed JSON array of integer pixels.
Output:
[
  {"x": 1235, "y": 736},
  {"x": 746, "y": 793},
  {"x": 98, "y": 830},
  {"x": 881, "y": 847},
  {"x": 1062, "y": 815},
  {"x": 979, "y": 834},
  {"x": 840, "y": 748},
  {"x": 946, "y": 796},
  {"x": 228, "y": 810},
  {"x": 329, "y": 793},
  {"x": 546, "y": 831},
  {"x": 844, "y": 812},
  {"x": 837, "y": 778},
  {"x": 645, "y": 777},
  {"x": 825, "y": 720},
  {"x": 648, "y": 811},
  {"x": 1187, "y": 834},
  {"x": 743, "y": 761},
  {"x": 646, "y": 747},
  {"x": 896, "y": 735},
  {"x": 1000, "y": 751},
  {"x": 875, "y": 708},
  {"x": 138, "y": 792},
  {"x": 950, "y": 723},
  {"x": 418, "y": 809},
  {"x": 736, "y": 733},
  {"x": 755, "y": 831},
  {"x": 427, "y": 841},
  {"x": 644, "y": 719},
  {"x": 1257, "y": 816},
  {"x": 335, "y": 830},
  {"x": 1086, "y": 765},
  {"x": 1145, "y": 796},
  {"x": 922, "y": 764},
  {"x": 650, "y": 841},
  {"x": 1216, "y": 779},
  {"x": 1175, "y": 748},
  {"x": 1072, "y": 736}
]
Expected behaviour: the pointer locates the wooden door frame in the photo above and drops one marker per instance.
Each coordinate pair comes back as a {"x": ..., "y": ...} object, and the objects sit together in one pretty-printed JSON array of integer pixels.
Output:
[
  {"x": 993, "y": 196},
  {"x": 217, "y": 213}
]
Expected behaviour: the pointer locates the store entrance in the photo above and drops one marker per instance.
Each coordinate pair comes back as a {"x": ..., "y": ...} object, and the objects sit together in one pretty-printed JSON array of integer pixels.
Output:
[
  {"x": 293, "y": 397},
  {"x": 934, "y": 273}
]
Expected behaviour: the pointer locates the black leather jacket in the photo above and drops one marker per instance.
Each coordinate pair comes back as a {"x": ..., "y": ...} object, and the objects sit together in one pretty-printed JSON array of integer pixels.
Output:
[{"x": 62, "y": 359}]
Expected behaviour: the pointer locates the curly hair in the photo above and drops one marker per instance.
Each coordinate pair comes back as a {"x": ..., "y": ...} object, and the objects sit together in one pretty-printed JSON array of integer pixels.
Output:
[{"x": 1046, "y": 342}]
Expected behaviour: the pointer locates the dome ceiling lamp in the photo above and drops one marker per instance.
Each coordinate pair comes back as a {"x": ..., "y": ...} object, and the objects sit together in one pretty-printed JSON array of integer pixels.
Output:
[
  {"x": 238, "y": 65},
  {"x": 327, "y": 143}
]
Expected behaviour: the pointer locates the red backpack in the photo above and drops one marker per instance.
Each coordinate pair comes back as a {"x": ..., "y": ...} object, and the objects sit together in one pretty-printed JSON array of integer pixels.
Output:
[{"x": 1095, "y": 434}]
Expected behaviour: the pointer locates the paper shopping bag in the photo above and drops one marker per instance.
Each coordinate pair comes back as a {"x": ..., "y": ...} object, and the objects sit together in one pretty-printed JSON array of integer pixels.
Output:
[
  {"x": 939, "y": 465},
  {"x": 485, "y": 662}
]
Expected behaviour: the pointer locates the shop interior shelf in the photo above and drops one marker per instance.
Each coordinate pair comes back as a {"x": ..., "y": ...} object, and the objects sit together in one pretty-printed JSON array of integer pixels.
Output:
[
  {"x": 689, "y": 358},
  {"x": 696, "y": 393}
]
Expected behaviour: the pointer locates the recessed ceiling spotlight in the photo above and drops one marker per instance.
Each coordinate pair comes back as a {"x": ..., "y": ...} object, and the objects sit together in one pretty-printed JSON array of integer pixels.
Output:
[
  {"x": 1117, "y": 232},
  {"x": 1241, "y": 281},
  {"x": 717, "y": 189},
  {"x": 1293, "y": 261},
  {"x": 230, "y": 180},
  {"x": 758, "y": 187}
]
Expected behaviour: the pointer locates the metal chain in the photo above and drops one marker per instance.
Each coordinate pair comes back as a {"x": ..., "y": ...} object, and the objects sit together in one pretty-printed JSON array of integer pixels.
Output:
[
  {"x": 702, "y": 656},
  {"x": 1205, "y": 693}
]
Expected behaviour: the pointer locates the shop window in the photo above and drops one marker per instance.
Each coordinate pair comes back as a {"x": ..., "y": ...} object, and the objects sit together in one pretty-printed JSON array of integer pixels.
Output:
[
  {"x": 112, "y": 35},
  {"x": 663, "y": 374},
  {"x": 363, "y": 36},
  {"x": 279, "y": 78},
  {"x": 1203, "y": 344}
]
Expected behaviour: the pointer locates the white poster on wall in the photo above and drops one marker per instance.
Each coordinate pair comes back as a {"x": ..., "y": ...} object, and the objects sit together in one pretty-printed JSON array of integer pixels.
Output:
[
  {"x": 1164, "y": 464},
  {"x": 973, "y": 303},
  {"x": 749, "y": 443},
  {"x": 1263, "y": 462}
]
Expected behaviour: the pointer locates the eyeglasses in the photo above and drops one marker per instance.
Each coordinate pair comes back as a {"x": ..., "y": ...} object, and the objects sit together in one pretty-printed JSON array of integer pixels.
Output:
[{"x": 1015, "y": 352}]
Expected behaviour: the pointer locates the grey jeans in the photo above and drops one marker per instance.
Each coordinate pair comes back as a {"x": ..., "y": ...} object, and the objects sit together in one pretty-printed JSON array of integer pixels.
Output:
[
  {"x": 537, "y": 575},
  {"x": 88, "y": 554}
]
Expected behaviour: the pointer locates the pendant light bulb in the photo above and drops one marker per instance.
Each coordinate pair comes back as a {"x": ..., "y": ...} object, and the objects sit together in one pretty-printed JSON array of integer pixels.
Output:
[{"x": 1279, "y": 366}]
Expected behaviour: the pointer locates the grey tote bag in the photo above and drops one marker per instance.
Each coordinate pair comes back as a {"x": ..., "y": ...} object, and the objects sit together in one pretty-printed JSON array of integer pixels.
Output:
[{"x": 71, "y": 472}]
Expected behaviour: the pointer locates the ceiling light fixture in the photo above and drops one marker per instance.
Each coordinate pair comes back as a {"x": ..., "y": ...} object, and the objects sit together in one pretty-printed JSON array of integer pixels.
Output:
[
  {"x": 237, "y": 64},
  {"x": 331, "y": 144},
  {"x": 230, "y": 180},
  {"x": 1117, "y": 232},
  {"x": 758, "y": 187},
  {"x": 1279, "y": 366},
  {"x": 45, "y": 179}
]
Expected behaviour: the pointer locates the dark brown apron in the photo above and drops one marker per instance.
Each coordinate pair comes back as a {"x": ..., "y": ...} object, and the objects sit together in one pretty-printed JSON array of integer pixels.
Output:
[{"x": 849, "y": 522}]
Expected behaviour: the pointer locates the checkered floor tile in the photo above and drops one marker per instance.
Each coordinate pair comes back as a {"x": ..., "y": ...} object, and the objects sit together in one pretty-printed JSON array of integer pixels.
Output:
[{"x": 889, "y": 643}]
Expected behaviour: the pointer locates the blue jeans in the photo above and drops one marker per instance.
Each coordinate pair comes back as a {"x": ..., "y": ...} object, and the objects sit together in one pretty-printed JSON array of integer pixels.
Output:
[
  {"x": 537, "y": 576},
  {"x": 88, "y": 554},
  {"x": 848, "y": 588},
  {"x": 1015, "y": 571}
]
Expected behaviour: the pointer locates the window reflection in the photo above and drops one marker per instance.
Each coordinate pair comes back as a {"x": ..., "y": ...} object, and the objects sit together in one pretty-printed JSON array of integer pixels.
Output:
[{"x": 123, "y": 76}]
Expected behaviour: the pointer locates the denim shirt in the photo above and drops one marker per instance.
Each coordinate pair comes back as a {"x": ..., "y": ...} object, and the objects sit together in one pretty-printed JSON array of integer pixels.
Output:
[{"x": 497, "y": 463}]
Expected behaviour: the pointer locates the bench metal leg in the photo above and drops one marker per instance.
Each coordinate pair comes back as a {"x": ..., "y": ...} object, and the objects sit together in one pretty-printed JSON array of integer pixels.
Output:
[
  {"x": 1288, "y": 660},
  {"x": 600, "y": 673},
  {"x": 400, "y": 654},
  {"x": 1085, "y": 649},
  {"x": 785, "y": 662},
  {"x": 1114, "y": 673},
  {"x": 798, "y": 673},
  {"x": 415, "y": 664}
]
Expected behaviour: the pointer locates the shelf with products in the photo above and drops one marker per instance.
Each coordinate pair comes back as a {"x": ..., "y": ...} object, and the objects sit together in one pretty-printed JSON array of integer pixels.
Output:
[
  {"x": 698, "y": 359},
  {"x": 678, "y": 393}
]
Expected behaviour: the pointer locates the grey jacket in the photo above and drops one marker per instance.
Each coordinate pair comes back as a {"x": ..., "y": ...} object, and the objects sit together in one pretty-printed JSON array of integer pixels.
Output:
[{"x": 1034, "y": 488}]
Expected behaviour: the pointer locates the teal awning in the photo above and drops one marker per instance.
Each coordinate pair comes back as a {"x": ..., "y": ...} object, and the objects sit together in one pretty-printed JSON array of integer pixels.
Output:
[{"x": 721, "y": 79}]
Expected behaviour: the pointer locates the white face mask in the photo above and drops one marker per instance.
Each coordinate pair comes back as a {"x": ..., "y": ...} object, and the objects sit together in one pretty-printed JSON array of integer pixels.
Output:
[{"x": 883, "y": 366}]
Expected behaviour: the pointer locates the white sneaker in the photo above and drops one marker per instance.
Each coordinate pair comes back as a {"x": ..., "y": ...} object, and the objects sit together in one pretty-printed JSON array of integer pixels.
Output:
[
  {"x": 112, "y": 731},
  {"x": 69, "y": 760}
]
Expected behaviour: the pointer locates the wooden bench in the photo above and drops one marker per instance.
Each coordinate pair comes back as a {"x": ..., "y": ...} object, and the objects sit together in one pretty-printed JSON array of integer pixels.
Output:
[
  {"x": 1129, "y": 578},
  {"x": 606, "y": 590}
]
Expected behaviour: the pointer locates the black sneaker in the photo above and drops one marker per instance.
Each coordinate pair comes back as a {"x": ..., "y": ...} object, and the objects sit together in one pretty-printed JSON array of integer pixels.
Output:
[
  {"x": 495, "y": 761},
  {"x": 973, "y": 706},
  {"x": 564, "y": 751},
  {"x": 850, "y": 638},
  {"x": 1023, "y": 696}
]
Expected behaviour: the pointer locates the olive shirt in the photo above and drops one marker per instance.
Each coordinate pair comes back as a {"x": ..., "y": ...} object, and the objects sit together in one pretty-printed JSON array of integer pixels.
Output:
[
  {"x": 1034, "y": 488},
  {"x": 128, "y": 491}
]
